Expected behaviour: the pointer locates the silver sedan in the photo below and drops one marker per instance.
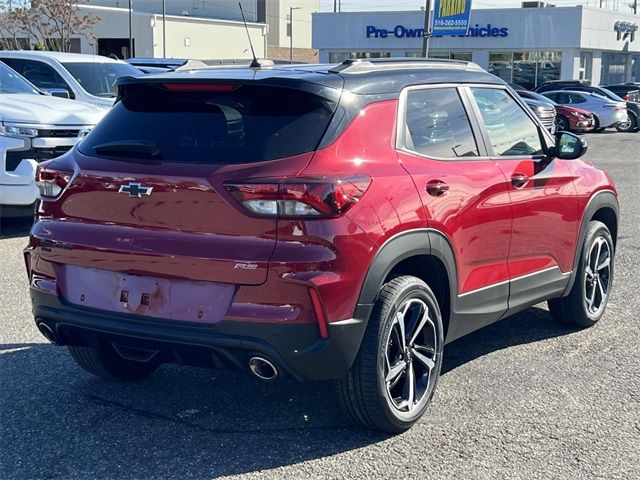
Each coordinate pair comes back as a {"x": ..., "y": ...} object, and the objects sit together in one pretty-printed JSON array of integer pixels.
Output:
[{"x": 607, "y": 113}]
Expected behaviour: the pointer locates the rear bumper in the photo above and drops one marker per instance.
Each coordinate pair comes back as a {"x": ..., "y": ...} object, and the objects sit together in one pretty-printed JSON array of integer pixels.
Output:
[{"x": 296, "y": 349}]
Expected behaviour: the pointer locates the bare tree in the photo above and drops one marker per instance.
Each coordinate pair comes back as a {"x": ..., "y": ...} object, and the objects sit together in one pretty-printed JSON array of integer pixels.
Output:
[
  {"x": 48, "y": 23},
  {"x": 10, "y": 26}
]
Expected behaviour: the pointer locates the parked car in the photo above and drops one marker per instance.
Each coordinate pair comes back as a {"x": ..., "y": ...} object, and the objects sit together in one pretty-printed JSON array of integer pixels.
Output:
[
  {"x": 33, "y": 127},
  {"x": 633, "y": 108},
  {"x": 606, "y": 113},
  {"x": 627, "y": 91},
  {"x": 568, "y": 118},
  {"x": 86, "y": 78},
  {"x": 274, "y": 221},
  {"x": 545, "y": 112},
  {"x": 559, "y": 85}
]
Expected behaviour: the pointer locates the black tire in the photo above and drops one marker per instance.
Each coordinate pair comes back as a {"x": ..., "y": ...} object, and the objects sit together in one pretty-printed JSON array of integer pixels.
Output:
[
  {"x": 562, "y": 124},
  {"x": 105, "y": 363},
  {"x": 630, "y": 126},
  {"x": 364, "y": 393},
  {"x": 596, "y": 126},
  {"x": 574, "y": 309}
]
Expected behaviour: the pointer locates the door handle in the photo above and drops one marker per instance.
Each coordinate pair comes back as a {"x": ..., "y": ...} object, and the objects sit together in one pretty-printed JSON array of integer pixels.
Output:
[
  {"x": 436, "y": 188},
  {"x": 519, "y": 180}
]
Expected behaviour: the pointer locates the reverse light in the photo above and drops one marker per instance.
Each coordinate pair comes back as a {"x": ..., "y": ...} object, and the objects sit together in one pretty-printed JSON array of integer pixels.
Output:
[
  {"x": 300, "y": 196},
  {"x": 51, "y": 182}
]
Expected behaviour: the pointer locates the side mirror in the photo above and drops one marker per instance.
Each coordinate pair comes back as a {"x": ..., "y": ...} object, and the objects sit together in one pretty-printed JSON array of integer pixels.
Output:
[
  {"x": 569, "y": 146},
  {"x": 58, "y": 92}
]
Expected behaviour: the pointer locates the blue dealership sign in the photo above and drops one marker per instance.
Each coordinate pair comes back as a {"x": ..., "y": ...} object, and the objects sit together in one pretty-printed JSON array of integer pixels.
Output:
[{"x": 451, "y": 17}]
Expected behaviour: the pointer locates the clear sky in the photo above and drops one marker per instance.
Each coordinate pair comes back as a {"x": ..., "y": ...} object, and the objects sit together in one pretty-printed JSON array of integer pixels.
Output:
[{"x": 355, "y": 5}]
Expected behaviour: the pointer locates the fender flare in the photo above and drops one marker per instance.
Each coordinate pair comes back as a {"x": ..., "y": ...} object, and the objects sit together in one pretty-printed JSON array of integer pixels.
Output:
[
  {"x": 423, "y": 241},
  {"x": 601, "y": 199}
]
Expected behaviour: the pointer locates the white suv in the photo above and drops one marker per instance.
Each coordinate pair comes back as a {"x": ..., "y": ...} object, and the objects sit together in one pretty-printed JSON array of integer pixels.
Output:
[
  {"x": 34, "y": 127},
  {"x": 86, "y": 78}
]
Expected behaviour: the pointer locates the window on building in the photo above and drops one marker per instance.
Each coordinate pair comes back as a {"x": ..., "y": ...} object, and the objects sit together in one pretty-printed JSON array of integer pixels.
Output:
[
  {"x": 437, "y": 124},
  {"x": 464, "y": 56},
  {"x": 614, "y": 68},
  {"x": 337, "y": 57},
  {"x": 500, "y": 65},
  {"x": 586, "y": 65},
  {"x": 437, "y": 54},
  {"x": 14, "y": 44},
  {"x": 510, "y": 129},
  {"x": 413, "y": 54},
  {"x": 527, "y": 69}
]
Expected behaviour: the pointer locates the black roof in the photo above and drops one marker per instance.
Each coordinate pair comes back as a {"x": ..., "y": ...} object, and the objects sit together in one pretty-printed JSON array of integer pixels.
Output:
[{"x": 365, "y": 77}]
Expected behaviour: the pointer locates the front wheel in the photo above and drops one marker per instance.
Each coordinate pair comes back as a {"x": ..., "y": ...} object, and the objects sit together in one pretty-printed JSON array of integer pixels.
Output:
[
  {"x": 396, "y": 371},
  {"x": 586, "y": 302},
  {"x": 562, "y": 124}
]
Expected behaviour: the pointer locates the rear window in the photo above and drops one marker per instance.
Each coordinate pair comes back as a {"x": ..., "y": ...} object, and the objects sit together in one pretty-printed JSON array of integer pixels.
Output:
[{"x": 248, "y": 124}]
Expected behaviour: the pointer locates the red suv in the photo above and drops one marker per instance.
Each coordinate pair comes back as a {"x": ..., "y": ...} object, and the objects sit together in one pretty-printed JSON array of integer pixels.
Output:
[{"x": 338, "y": 223}]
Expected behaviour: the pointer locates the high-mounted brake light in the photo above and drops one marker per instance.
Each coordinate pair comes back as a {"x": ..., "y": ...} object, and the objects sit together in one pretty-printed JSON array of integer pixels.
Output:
[
  {"x": 200, "y": 87},
  {"x": 300, "y": 196},
  {"x": 51, "y": 182}
]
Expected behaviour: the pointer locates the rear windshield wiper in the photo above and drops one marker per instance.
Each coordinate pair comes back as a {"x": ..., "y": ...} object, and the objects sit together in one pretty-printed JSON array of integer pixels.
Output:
[{"x": 129, "y": 148}]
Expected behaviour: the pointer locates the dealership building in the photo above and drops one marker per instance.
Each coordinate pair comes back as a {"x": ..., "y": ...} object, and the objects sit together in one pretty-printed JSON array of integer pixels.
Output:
[{"x": 525, "y": 46}]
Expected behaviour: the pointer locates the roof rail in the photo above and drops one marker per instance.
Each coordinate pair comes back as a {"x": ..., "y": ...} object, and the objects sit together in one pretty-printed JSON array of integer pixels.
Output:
[{"x": 359, "y": 65}]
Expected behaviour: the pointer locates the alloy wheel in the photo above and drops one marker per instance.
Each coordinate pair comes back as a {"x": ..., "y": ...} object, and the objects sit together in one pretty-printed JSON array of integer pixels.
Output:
[
  {"x": 561, "y": 125},
  {"x": 597, "y": 276},
  {"x": 410, "y": 356}
]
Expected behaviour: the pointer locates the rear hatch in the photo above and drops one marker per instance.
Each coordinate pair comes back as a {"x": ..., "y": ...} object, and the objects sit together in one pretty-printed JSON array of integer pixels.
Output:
[{"x": 147, "y": 193}]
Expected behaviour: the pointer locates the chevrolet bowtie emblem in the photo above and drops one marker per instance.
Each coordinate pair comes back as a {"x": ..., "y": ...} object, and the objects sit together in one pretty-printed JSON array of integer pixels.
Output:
[{"x": 135, "y": 189}]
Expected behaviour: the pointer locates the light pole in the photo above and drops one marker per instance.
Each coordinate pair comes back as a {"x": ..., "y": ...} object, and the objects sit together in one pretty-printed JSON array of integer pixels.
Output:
[
  {"x": 291, "y": 9},
  {"x": 427, "y": 32},
  {"x": 164, "y": 30},
  {"x": 130, "y": 35}
]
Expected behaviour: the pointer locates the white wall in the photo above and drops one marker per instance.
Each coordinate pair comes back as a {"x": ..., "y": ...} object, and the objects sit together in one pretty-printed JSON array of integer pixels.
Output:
[
  {"x": 207, "y": 38},
  {"x": 219, "y": 9},
  {"x": 302, "y": 24}
]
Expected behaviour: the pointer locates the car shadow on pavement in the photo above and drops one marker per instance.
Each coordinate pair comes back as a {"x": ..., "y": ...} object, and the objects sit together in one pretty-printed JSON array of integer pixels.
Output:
[
  {"x": 528, "y": 326},
  {"x": 57, "y": 421}
]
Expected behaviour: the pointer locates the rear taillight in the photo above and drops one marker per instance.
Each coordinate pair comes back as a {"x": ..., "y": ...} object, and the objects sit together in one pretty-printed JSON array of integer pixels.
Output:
[
  {"x": 51, "y": 182},
  {"x": 615, "y": 107},
  {"x": 300, "y": 196},
  {"x": 625, "y": 97}
]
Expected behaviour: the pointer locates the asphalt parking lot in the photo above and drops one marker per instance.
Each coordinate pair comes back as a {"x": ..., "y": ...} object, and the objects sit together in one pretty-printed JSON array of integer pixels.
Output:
[{"x": 524, "y": 398}]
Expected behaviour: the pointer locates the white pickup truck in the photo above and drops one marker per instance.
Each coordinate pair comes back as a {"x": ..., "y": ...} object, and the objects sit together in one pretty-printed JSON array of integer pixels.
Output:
[{"x": 34, "y": 127}]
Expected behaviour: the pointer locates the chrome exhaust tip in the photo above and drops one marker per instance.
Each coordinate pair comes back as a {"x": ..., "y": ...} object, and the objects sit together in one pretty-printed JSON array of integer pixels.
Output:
[
  {"x": 263, "y": 368},
  {"x": 47, "y": 332}
]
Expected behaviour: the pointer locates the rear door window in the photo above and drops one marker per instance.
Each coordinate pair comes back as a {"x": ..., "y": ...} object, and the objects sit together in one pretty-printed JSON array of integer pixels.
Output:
[
  {"x": 437, "y": 124},
  {"x": 247, "y": 123}
]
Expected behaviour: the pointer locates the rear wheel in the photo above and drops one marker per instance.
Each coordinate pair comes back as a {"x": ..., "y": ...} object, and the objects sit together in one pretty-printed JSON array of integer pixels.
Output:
[
  {"x": 631, "y": 125},
  {"x": 396, "y": 371},
  {"x": 588, "y": 298},
  {"x": 105, "y": 362}
]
